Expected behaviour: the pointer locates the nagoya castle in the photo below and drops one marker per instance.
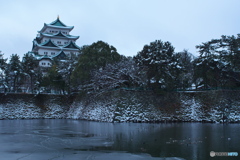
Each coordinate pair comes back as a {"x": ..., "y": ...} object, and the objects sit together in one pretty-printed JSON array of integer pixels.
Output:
[{"x": 54, "y": 41}]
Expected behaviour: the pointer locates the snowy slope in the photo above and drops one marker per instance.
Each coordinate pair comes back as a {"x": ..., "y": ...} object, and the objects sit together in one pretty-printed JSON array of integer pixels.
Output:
[{"x": 127, "y": 106}]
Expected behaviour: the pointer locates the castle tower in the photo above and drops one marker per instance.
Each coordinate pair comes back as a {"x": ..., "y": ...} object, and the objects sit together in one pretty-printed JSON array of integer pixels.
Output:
[{"x": 54, "y": 41}]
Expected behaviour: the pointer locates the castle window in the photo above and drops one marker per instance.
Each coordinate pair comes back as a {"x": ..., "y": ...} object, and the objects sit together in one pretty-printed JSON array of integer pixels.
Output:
[
  {"x": 53, "y": 53},
  {"x": 46, "y": 53},
  {"x": 58, "y": 42}
]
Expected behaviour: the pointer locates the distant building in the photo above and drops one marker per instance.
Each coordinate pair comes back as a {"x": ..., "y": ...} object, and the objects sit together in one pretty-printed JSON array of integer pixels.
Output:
[{"x": 54, "y": 41}]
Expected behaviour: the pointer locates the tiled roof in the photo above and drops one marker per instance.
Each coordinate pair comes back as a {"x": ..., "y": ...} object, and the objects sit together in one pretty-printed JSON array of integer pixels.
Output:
[
  {"x": 57, "y": 22},
  {"x": 49, "y": 43},
  {"x": 71, "y": 45},
  {"x": 59, "y": 34}
]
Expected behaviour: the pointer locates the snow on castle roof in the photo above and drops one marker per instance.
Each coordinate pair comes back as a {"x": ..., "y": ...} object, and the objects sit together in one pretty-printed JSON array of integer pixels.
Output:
[
  {"x": 71, "y": 45},
  {"x": 60, "y": 55},
  {"x": 60, "y": 35},
  {"x": 49, "y": 43},
  {"x": 56, "y": 24}
]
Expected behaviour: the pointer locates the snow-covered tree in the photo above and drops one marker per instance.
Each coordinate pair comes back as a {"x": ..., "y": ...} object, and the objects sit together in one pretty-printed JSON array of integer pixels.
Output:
[
  {"x": 14, "y": 72},
  {"x": 219, "y": 62},
  {"x": 92, "y": 57},
  {"x": 3, "y": 66},
  {"x": 65, "y": 68},
  {"x": 124, "y": 73},
  {"x": 53, "y": 81},
  {"x": 29, "y": 66},
  {"x": 185, "y": 60},
  {"x": 160, "y": 64}
]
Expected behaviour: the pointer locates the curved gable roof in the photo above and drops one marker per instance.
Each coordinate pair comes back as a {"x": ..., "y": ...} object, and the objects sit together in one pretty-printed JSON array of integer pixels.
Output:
[
  {"x": 61, "y": 55},
  {"x": 49, "y": 43},
  {"x": 57, "y": 22},
  {"x": 59, "y": 35},
  {"x": 71, "y": 45}
]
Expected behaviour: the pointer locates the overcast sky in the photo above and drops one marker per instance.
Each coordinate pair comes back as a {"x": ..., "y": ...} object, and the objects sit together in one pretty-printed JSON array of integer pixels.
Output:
[{"x": 126, "y": 24}]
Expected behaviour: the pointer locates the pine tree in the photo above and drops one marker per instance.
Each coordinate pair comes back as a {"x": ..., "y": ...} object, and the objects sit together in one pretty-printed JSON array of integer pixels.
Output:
[
  {"x": 14, "y": 72},
  {"x": 3, "y": 67},
  {"x": 159, "y": 62},
  {"x": 29, "y": 66},
  {"x": 124, "y": 73},
  {"x": 185, "y": 61},
  {"x": 53, "y": 81},
  {"x": 219, "y": 62},
  {"x": 92, "y": 57},
  {"x": 65, "y": 69}
]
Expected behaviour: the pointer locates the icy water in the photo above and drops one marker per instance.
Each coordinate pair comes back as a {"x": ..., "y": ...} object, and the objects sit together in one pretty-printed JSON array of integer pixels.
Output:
[{"x": 84, "y": 140}]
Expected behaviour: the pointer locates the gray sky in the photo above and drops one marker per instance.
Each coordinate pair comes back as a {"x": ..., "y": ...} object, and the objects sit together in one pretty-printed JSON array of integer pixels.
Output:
[{"x": 126, "y": 24}]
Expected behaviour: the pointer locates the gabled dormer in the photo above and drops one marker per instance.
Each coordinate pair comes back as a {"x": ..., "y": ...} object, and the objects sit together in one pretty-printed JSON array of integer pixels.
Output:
[
  {"x": 71, "y": 45},
  {"x": 49, "y": 43},
  {"x": 61, "y": 55},
  {"x": 57, "y": 24}
]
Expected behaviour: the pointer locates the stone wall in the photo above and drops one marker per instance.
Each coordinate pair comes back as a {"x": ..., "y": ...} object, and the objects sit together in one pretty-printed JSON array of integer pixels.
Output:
[
  {"x": 29, "y": 106},
  {"x": 126, "y": 106}
]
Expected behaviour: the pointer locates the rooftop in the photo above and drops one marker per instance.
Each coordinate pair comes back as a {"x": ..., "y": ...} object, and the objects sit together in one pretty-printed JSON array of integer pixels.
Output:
[
  {"x": 56, "y": 24},
  {"x": 71, "y": 45},
  {"x": 49, "y": 44},
  {"x": 60, "y": 35}
]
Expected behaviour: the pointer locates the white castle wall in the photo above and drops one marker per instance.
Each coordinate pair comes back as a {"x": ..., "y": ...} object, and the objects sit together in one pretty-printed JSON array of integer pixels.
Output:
[
  {"x": 45, "y": 63},
  {"x": 57, "y": 41},
  {"x": 54, "y": 31},
  {"x": 48, "y": 52}
]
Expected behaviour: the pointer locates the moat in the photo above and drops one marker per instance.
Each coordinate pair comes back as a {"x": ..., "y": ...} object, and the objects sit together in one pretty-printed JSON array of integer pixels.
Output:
[{"x": 77, "y": 139}]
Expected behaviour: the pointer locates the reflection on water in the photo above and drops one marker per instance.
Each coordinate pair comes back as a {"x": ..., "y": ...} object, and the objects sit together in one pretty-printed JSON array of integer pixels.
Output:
[{"x": 74, "y": 139}]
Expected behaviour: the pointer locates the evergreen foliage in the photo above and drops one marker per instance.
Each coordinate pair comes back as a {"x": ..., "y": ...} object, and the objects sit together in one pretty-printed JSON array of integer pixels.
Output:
[
  {"x": 92, "y": 57},
  {"x": 29, "y": 66},
  {"x": 185, "y": 76},
  {"x": 14, "y": 73},
  {"x": 160, "y": 63},
  {"x": 99, "y": 67},
  {"x": 219, "y": 63},
  {"x": 122, "y": 74},
  {"x": 65, "y": 68},
  {"x": 54, "y": 81},
  {"x": 3, "y": 67}
]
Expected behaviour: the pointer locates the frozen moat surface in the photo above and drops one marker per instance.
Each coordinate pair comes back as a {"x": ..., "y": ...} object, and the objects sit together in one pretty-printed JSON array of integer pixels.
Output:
[{"x": 52, "y": 139}]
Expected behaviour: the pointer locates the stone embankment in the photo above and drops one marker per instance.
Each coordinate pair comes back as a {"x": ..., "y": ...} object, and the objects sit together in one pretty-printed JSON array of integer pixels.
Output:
[{"x": 126, "y": 106}]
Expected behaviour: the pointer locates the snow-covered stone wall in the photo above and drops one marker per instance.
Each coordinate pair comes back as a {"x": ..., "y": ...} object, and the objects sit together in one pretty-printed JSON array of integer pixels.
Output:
[
  {"x": 27, "y": 106},
  {"x": 126, "y": 106}
]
